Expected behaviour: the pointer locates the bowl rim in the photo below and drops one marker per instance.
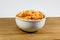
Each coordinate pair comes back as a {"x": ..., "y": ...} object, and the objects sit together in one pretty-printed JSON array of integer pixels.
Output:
[{"x": 31, "y": 20}]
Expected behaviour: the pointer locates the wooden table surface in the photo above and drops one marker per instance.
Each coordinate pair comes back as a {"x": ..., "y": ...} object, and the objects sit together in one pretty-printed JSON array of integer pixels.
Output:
[{"x": 10, "y": 31}]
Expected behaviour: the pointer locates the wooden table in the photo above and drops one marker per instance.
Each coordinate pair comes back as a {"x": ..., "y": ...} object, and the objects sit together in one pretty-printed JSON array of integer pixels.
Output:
[{"x": 10, "y": 31}]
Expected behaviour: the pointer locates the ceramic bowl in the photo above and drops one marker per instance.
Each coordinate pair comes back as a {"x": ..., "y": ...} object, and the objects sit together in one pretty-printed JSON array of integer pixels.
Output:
[{"x": 30, "y": 26}]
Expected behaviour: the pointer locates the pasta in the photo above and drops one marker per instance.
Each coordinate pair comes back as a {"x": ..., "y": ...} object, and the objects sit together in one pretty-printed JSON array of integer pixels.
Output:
[{"x": 31, "y": 15}]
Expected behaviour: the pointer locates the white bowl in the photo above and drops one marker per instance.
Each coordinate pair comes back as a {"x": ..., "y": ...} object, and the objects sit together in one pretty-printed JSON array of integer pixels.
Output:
[{"x": 30, "y": 26}]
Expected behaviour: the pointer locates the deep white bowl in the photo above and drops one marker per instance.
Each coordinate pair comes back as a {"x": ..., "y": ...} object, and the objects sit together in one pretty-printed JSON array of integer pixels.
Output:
[{"x": 30, "y": 26}]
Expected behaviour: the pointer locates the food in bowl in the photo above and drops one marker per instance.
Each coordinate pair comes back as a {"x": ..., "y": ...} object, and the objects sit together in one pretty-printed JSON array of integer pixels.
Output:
[
  {"x": 30, "y": 20},
  {"x": 31, "y": 15}
]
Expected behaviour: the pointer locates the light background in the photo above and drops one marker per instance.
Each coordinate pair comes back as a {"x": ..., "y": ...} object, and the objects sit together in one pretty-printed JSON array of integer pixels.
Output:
[{"x": 9, "y": 8}]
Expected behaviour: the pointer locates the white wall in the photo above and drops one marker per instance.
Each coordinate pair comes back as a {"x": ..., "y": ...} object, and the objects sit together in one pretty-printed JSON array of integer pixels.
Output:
[{"x": 9, "y": 8}]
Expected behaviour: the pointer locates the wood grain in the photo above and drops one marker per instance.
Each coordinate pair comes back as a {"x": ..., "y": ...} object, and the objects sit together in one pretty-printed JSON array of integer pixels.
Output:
[{"x": 10, "y": 31}]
